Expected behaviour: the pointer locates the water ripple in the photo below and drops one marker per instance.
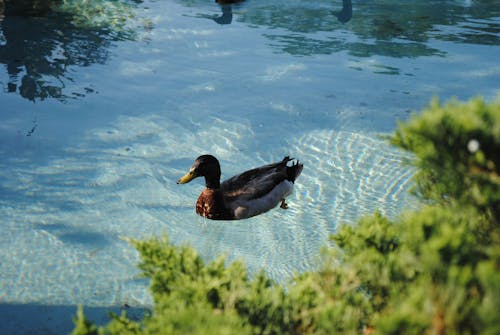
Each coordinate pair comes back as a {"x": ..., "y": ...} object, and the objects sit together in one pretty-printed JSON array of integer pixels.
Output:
[{"x": 64, "y": 219}]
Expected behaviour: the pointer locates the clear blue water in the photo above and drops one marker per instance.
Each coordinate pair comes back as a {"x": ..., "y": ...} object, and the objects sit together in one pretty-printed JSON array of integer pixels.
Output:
[{"x": 96, "y": 126}]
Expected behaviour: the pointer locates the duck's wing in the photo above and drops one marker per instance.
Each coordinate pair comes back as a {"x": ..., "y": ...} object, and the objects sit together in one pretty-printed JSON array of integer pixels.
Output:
[{"x": 257, "y": 182}]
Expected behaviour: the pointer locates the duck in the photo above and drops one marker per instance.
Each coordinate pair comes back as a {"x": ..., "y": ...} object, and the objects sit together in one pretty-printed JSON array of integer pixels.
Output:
[{"x": 244, "y": 195}]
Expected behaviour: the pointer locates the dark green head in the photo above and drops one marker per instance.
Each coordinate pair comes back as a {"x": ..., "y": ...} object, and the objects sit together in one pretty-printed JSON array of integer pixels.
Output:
[{"x": 204, "y": 166}]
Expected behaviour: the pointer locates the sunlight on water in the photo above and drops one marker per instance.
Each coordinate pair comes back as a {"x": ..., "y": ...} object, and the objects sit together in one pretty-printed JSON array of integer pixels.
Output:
[
  {"x": 355, "y": 174},
  {"x": 120, "y": 182}
]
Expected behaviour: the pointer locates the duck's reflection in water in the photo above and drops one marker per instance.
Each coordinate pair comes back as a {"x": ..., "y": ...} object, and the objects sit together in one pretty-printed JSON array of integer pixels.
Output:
[
  {"x": 345, "y": 14},
  {"x": 226, "y": 7},
  {"x": 227, "y": 11}
]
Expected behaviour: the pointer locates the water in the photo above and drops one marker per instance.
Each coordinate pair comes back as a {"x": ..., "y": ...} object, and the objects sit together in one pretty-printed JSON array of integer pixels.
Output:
[{"x": 97, "y": 124}]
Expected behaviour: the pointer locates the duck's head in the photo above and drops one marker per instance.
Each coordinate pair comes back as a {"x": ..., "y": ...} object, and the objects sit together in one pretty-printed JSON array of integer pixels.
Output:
[{"x": 204, "y": 166}]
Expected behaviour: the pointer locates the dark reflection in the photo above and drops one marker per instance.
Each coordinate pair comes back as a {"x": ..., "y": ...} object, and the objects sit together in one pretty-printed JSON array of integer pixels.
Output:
[
  {"x": 227, "y": 14},
  {"x": 38, "y": 48},
  {"x": 226, "y": 7},
  {"x": 397, "y": 29},
  {"x": 346, "y": 13},
  {"x": 26, "y": 7},
  {"x": 38, "y": 51},
  {"x": 383, "y": 27}
]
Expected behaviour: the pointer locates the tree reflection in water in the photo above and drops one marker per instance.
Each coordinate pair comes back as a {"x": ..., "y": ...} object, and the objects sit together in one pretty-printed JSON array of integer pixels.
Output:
[
  {"x": 383, "y": 28},
  {"x": 38, "y": 46}
]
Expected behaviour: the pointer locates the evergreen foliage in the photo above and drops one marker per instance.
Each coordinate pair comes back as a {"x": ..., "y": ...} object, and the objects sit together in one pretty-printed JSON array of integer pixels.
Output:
[
  {"x": 457, "y": 152},
  {"x": 432, "y": 271}
]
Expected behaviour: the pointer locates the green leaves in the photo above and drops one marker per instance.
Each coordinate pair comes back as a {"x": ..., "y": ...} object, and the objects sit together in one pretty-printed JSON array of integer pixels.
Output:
[
  {"x": 82, "y": 325},
  {"x": 207, "y": 295},
  {"x": 457, "y": 149}
]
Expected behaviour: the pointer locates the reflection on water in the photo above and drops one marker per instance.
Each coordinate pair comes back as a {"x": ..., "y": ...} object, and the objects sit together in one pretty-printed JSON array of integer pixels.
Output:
[
  {"x": 387, "y": 28},
  {"x": 226, "y": 6},
  {"x": 38, "y": 52},
  {"x": 26, "y": 7},
  {"x": 39, "y": 47},
  {"x": 345, "y": 14}
]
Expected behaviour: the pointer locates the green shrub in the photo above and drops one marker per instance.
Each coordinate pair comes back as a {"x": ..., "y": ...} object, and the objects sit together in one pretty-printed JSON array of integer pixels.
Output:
[
  {"x": 457, "y": 153},
  {"x": 432, "y": 271}
]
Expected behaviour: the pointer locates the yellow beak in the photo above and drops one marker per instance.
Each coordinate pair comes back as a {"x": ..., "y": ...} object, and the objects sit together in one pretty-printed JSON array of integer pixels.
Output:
[{"x": 187, "y": 178}]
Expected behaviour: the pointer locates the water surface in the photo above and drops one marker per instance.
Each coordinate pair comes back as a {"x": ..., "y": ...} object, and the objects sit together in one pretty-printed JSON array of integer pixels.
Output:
[{"x": 98, "y": 121}]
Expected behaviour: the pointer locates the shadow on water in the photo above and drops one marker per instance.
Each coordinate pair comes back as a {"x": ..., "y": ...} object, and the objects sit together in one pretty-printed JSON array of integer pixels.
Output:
[
  {"x": 55, "y": 319},
  {"x": 39, "y": 46}
]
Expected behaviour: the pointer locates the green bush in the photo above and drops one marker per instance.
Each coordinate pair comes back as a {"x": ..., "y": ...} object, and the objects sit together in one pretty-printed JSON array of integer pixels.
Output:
[
  {"x": 457, "y": 153},
  {"x": 432, "y": 271}
]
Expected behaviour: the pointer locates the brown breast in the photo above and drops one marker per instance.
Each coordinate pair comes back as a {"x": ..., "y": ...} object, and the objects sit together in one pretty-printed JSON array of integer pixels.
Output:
[{"x": 210, "y": 205}]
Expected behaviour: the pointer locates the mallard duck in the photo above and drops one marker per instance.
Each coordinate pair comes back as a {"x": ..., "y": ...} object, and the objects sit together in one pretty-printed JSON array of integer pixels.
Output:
[{"x": 245, "y": 195}]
